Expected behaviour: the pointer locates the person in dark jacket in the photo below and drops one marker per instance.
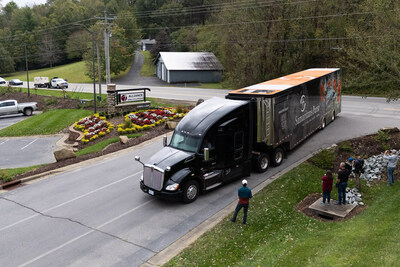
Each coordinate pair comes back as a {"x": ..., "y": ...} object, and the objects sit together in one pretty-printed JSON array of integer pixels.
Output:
[
  {"x": 358, "y": 165},
  {"x": 244, "y": 194},
  {"x": 343, "y": 177},
  {"x": 327, "y": 182}
]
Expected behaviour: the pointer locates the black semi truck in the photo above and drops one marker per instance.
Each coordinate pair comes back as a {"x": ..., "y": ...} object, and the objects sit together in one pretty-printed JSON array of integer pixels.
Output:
[{"x": 221, "y": 140}]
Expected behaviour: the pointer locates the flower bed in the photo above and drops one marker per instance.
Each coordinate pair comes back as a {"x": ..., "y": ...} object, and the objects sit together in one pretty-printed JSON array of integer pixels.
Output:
[
  {"x": 144, "y": 120},
  {"x": 93, "y": 127}
]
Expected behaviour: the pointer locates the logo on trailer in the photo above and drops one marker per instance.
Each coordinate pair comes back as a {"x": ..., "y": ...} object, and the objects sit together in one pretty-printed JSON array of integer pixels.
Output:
[{"x": 303, "y": 103}]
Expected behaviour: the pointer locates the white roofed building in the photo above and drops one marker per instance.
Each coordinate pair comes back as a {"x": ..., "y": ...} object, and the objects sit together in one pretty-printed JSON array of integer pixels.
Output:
[{"x": 178, "y": 67}]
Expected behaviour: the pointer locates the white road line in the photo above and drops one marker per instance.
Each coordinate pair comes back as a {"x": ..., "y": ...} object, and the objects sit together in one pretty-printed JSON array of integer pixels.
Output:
[
  {"x": 85, "y": 234},
  {"x": 4, "y": 142},
  {"x": 69, "y": 201},
  {"x": 29, "y": 144}
]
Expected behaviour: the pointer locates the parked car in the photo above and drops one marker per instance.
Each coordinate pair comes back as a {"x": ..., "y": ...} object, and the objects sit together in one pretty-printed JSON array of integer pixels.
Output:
[
  {"x": 2, "y": 81},
  {"x": 12, "y": 107},
  {"x": 15, "y": 82}
]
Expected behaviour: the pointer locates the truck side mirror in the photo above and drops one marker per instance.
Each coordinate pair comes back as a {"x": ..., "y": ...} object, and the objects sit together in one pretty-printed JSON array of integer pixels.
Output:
[
  {"x": 137, "y": 158},
  {"x": 206, "y": 154},
  {"x": 165, "y": 140}
]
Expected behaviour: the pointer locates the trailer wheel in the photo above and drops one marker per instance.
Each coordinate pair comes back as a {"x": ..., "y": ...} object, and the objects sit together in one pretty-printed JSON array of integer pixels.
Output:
[
  {"x": 28, "y": 112},
  {"x": 262, "y": 163},
  {"x": 190, "y": 191},
  {"x": 277, "y": 156},
  {"x": 333, "y": 115},
  {"x": 323, "y": 125}
]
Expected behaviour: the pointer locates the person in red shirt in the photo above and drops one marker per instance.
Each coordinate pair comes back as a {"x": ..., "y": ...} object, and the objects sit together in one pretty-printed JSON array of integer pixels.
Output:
[
  {"x": 244, "y": 194},
  {"x": 327, "y": 182}
]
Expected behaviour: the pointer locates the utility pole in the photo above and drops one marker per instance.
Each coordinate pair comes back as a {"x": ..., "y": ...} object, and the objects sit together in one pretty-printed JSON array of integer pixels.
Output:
[
  {"x": 107, "y": 49},
  {"x": 107, "y": 44},
  {"x": 27, "y": 70},
  {"x": 99, "y": 69}
]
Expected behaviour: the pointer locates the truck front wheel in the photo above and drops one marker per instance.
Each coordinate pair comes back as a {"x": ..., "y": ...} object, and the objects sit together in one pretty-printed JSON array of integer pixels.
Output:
[
  {"x": 262, "y": 162},
  {"x": 190, "y": 191},
  {"x": 28, "y": 112},
  {"x": 277, "y": 156}
]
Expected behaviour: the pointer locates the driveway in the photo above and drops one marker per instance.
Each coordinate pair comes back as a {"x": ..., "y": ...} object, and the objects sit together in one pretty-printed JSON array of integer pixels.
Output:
[{"x": 8, "y": 120}]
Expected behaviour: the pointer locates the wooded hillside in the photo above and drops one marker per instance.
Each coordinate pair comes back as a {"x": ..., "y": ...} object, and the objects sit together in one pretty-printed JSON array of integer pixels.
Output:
[{"x": 255, "y": 40}]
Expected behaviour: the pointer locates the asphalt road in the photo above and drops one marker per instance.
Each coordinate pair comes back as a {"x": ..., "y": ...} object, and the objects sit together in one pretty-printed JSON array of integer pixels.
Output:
[
  {"x": 163, "y": 90},
  {"x": 96, "y": 215}
]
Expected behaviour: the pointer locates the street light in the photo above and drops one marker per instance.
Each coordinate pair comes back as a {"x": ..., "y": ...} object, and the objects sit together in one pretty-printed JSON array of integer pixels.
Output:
[{"x": 94, "y": 73}]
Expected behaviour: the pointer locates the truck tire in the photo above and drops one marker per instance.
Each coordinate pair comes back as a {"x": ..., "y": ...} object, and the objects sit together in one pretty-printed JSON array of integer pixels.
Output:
[
  {"x": 28, "y": 112},
  {"x": 333, "y": 115},
  {"x": 277, "y": 156},
  {"x": 191, "y": 191},
  {"x": 262, "y": 163},
  {"x": 323, "y": 124}
]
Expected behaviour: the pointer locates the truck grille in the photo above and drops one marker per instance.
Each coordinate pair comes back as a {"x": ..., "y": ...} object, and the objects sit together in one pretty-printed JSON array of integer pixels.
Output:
[{"x": 153, "y": 177}]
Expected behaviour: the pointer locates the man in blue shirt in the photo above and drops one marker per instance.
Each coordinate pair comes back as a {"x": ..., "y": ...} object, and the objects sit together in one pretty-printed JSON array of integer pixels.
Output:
[{"x": 244, "y": 194}]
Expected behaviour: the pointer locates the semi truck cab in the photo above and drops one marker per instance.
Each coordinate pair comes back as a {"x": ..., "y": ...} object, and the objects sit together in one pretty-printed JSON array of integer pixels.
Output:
[{"x": 210, "y": 146}]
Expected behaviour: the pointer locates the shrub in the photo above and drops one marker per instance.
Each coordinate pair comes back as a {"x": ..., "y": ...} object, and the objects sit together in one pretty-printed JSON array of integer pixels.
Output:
[
  {"x": 346, "y": 146},
  {"x": 324, "y": 159},
  {"x": 383, "y": 137},
  {"x": 4, "y": 176}
]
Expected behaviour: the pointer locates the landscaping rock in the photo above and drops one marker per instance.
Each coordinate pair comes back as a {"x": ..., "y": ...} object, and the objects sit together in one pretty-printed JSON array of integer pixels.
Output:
[
  {"x": 123, "y": 139},
  {"x": 171, "y": 124},
  {"x": 64, "y": 153}
]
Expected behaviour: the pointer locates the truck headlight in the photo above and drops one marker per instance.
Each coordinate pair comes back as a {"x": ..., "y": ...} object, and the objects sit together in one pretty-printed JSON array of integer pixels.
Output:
[
  {"x": 172, "y": 187},
  {"x": 141, "y": 178}
]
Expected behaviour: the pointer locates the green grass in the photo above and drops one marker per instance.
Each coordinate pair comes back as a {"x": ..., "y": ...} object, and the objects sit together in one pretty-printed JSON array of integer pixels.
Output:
[
  {"x": 50, "y": 122},
  {"x": 148, "y": 68},
  {"x": 215, "y": 86},
  {"x": 57, "y": 93},
  {"x": 278, "y": 235},
  {"x": 101, "y": 145},
  {"x": 73, "y": 72},
  {"x": 7, "y": 174}
]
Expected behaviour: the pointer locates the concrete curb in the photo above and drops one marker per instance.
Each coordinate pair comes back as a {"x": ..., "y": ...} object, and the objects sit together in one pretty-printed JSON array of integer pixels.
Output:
[{"x": 179, "y": 245}]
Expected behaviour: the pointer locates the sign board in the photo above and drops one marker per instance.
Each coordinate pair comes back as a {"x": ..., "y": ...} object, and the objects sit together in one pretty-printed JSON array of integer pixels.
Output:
[{"x": 130, "y": 96}]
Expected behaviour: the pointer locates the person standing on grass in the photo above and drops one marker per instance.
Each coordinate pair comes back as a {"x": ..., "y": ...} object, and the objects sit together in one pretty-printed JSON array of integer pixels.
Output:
[
  {"x": 392, "y": 162},
  {"x": 358, "y": 164},
  {"x": 327, "y": 182},
  {"x": 343, "y": 177},
  {"x": 244, "y": 194}
]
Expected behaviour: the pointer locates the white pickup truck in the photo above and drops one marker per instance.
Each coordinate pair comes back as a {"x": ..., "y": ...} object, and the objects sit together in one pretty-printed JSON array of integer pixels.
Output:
[
  {"x": 12, "y": 107},
  {"x": 43, "y": 82}
]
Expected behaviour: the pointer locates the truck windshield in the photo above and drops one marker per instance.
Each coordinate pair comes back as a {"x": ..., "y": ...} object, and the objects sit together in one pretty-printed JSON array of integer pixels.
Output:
[{"x": 185, "y": 142}]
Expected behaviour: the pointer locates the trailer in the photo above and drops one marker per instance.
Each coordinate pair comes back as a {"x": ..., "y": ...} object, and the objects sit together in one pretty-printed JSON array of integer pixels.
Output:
[
  {"x": 41, "y": 82},
  {"x": 254, "y": 127}
]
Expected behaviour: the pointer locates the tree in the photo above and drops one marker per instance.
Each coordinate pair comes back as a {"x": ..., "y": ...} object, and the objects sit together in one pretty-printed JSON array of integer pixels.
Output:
[
  {"x": 373, "y": 58},
  {"x": 50, "y": 53},
  {"x": 77, "y": 44},
  {"x": 163, "y": 44},
  {"x": 6, "y": 61},
  {"x": 121, "y": 54}
]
